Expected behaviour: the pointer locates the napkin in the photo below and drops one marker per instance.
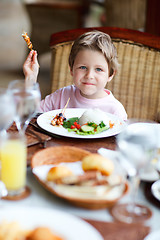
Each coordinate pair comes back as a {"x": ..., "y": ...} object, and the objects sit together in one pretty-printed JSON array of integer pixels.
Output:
[{"x": 120, "y": 231}]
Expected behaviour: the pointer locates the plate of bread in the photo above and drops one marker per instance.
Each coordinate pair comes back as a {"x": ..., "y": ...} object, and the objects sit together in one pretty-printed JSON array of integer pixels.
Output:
[
  {"x": 80, "y": 177},
  {"x": 37, "y": 223}
]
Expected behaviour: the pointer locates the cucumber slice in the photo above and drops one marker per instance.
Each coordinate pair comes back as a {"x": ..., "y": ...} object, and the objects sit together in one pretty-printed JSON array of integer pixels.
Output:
[{"x": 86, "y": 128}]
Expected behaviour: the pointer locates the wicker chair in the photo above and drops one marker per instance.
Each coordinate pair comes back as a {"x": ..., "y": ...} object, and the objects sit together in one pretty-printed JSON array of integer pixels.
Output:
[{"x": 136, "y": 85}]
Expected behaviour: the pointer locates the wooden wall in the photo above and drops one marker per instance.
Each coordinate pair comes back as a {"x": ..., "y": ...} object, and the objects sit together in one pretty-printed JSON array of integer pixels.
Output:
[
  {"x": 126, "y": 13},
  {"x": 153, "y": 17}
]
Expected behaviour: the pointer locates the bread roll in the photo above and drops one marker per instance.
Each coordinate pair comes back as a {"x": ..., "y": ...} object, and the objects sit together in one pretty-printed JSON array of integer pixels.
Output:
[
  {"x": 99, "y": 163},
  {"x": 58, "y": 172},
  {"x": 42, "y": 233}
]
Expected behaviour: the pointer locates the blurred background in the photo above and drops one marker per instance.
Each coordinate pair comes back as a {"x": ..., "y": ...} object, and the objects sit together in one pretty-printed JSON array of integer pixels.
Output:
[{"x": 40, "y": 18}]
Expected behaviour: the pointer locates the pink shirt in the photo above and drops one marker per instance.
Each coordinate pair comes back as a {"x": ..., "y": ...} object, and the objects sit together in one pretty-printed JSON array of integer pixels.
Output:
[{"x": 58, "y": 100}]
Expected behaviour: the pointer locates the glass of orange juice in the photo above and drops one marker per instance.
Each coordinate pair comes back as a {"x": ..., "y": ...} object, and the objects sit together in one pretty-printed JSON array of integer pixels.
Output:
[{"x": 13, "y": 153}]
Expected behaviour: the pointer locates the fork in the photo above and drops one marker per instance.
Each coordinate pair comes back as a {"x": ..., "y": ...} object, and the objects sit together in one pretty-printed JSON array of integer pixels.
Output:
[{"x": 41, "y": 141}]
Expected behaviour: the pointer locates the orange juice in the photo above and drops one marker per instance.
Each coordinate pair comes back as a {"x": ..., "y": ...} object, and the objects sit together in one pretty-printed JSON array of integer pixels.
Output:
[{"x": 13, "y": 164}]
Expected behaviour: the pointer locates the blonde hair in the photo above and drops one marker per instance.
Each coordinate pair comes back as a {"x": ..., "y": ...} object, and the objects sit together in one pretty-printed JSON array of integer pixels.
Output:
[{"x": 96, "y": 41}]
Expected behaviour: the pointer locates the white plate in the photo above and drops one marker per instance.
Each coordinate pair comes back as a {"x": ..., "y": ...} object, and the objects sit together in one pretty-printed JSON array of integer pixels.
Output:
[
  {"x": 150, "y": 175},
  {"x": 44, "y": 121},
  {"x": 153, "y": 236},
  {"x": 63, "y": 224},
  {"x": 155, "y": 189}
]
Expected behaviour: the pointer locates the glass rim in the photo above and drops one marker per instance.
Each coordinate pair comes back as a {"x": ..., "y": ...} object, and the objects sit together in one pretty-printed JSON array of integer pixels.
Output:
[{"x": 22, "y": 84}]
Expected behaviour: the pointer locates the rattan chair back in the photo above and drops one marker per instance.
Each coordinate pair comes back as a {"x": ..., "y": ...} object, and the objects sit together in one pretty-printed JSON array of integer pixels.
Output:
[{"x": 137, "y": 83}]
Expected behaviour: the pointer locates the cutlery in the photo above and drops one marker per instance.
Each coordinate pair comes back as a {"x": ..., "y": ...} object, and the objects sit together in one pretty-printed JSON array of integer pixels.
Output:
[{"x": 41, "y": 141}]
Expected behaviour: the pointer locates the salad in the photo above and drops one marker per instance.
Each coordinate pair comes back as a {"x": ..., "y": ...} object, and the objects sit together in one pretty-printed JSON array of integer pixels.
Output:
[{"x": 72, "y": 125}]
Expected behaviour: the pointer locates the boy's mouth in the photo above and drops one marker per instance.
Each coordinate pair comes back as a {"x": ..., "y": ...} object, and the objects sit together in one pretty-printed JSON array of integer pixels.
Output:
[{"x": 87, "y": 83}]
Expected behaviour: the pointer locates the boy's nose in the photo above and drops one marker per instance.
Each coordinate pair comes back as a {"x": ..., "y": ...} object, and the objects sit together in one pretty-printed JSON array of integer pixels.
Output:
[{"x": 89, "y": 73}]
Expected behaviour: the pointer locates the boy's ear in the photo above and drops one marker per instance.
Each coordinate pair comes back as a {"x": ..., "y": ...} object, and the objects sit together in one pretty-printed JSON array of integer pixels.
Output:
[
  {"x": 71, "y": 72},
  {"x": 110, "y": 77}
]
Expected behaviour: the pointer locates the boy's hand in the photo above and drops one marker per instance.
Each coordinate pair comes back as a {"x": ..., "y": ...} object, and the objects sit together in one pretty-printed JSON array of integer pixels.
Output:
[{"x": 31, "y": 67}]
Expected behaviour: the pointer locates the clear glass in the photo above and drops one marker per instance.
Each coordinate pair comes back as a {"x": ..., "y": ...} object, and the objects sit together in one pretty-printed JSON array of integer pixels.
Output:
[
  {"x": 7, "y": 110},
  {"x": 137, "y": 146},
  {"x": 157, "y": 164},
  {"x": 27, "y": 100},
  {"x": 14, "y": 162},
  {"x": 3, "y": 190},
  {"x": 155, "y": 188}
]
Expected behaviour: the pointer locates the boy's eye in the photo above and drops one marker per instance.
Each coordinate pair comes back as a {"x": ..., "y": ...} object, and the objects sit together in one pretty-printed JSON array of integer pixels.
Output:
[
  {"x": 98, "y": 69},
  {"x": 82, "y": 67}
]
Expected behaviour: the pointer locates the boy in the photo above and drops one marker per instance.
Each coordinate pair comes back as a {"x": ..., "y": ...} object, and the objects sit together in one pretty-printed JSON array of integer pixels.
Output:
[{"x": 93, "y": 63}]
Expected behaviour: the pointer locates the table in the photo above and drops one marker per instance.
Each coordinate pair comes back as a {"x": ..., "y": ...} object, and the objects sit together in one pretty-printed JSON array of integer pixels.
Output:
[
  {"x": 40, "y": 197},
  {"x": 89, "y": 145},
  {"x": 54, "y": 140}
]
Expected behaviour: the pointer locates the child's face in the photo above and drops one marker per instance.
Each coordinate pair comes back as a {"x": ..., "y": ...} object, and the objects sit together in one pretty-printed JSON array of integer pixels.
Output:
[{"x": 90, "y": 73}]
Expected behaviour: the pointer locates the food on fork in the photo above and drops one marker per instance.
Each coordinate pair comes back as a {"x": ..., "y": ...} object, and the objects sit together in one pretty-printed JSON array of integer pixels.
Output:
[
  {"x": 60, "y": 118},
  {"x": 27, "y": 39},
  {"x": 58, "y": 172}
]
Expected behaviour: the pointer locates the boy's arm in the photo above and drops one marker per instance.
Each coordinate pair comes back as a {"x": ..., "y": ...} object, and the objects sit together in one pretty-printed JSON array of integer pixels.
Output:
[{"x": 31, "y": 67}]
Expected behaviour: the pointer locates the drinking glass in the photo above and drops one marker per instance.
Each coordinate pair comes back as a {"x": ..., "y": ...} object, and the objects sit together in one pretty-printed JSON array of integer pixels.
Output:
[
  {"x": 27, "y": 100},
  {"x": 3, "y": 190},
  {"x": 156, "y": 185},
  {"x": 7, "y": 113},
  {"x": 7, "y": 110},
  {"x": 14, "y": 162},
  {"x": 158, "y": 148},
  {"x": 136, "y": 146}
]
